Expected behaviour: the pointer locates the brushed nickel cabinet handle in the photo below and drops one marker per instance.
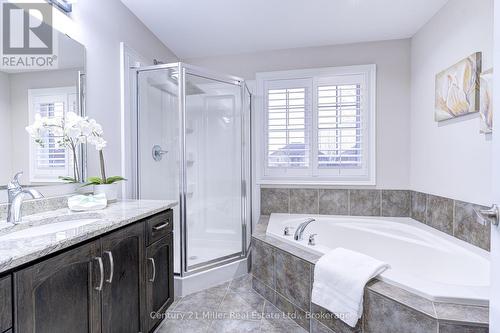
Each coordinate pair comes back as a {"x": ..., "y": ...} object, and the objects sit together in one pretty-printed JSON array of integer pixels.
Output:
[
  {"x": 154, "y": 270},
  {"x": 160, "y": 226},
  {"x": 101, "y": 272},
  {"x": 111, "y": 266}
]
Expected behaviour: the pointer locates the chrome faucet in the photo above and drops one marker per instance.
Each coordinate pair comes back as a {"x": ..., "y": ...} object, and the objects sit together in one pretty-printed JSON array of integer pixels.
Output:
[
  {"x": 17, "y": 194},
  {"x": 301, "y": 228}
]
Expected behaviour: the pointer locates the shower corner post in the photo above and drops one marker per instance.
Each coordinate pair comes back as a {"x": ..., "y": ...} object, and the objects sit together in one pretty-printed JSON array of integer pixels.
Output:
[
  {"x": 182, "y": 169},
  {"x": 245, "y": 164},
  {"x": 242, "y": 174}
]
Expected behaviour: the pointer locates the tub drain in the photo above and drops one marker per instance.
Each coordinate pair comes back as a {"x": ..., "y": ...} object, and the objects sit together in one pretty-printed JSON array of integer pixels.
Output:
[{"x": 193, "y": 257}]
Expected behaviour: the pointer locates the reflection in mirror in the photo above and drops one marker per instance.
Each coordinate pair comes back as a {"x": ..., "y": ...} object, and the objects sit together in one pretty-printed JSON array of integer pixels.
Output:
[{"x": 29, "y": 95}]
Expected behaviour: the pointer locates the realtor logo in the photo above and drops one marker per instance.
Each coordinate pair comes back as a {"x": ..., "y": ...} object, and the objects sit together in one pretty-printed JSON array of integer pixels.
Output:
[{"x": 27, "y": 36}]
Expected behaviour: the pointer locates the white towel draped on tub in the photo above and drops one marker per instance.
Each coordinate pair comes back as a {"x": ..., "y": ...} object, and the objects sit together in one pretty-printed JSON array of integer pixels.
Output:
[{"x": 340, "y": 277}]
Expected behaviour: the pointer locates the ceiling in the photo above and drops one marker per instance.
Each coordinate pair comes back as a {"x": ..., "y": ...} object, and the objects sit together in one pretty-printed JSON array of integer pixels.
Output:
[{"x": 200, "y": 28}]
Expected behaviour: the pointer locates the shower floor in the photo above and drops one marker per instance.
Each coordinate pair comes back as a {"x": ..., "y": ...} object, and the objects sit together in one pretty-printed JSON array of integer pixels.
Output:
[{"x": 200, "y": 251}]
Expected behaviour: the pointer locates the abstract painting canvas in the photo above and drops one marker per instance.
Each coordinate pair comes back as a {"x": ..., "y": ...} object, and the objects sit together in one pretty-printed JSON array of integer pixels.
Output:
[
  {"x": 486, "y": 101},
  {"x": 457, "y": 89}
]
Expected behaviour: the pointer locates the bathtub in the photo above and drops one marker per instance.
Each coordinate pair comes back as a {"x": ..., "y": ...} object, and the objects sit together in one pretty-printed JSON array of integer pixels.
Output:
[{"x": 423, "y": 260}]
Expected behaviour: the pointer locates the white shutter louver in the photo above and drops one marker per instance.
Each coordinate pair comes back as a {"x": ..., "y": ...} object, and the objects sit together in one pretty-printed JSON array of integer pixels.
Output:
[
  {"x": 50, "y": 156},
  {"x": 287, "y": 135},
  {"x": 50, "y": 161},
  {"x": 340, "y": 136}
]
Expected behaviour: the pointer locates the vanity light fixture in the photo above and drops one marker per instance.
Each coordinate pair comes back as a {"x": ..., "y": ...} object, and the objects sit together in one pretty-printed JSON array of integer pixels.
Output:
[{"x": 64, "y": 5}]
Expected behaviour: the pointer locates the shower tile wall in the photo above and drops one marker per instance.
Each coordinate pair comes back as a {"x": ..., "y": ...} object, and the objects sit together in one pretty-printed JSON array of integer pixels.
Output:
[{"x": 453, "y": 217}]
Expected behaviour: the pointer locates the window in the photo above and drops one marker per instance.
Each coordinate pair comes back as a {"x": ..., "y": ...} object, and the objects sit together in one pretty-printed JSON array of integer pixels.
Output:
[
  {"x": 318, "y": 126},
  {"x": 49, "y": 162}
]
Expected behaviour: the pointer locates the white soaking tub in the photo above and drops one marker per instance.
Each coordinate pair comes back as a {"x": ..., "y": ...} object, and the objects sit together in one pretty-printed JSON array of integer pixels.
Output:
[{"x": 423, "y": 260}]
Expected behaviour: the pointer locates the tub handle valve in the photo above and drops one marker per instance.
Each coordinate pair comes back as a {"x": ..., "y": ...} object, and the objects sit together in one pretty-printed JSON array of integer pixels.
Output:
[
  {"x": 312, "y": 239},
  {"x": 287, "y": 231}
]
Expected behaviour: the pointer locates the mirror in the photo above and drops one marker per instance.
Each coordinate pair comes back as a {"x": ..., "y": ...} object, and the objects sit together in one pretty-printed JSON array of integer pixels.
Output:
[{"x": 51, "y": 94}]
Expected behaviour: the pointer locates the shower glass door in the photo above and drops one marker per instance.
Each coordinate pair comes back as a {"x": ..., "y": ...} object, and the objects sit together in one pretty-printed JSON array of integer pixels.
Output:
[
  {"x": 158, "y": 175},
  {"x": 213, "y": 170},
  {"x": 193, "y": 147}
]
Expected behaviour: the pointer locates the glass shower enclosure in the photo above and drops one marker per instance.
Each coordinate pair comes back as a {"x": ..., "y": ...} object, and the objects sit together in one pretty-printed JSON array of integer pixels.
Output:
[{"x": 193, "y": 145}]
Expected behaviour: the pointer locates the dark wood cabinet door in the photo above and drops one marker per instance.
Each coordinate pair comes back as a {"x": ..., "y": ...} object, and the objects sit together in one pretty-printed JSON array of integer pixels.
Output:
[
  {"x": 5, "y": 303},
  {"x": 159, "y": 279},
  {"x": 123, "y": 295},
  {"x": 59, "y": 295}
]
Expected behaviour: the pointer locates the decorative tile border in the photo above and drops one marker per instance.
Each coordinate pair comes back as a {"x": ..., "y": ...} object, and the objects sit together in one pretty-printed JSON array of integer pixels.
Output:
[{"x": 453, "y": 217}]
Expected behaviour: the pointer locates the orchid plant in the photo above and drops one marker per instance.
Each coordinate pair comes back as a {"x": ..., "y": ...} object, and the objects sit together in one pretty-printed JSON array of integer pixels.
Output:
[{"x": 70, "y": 131}]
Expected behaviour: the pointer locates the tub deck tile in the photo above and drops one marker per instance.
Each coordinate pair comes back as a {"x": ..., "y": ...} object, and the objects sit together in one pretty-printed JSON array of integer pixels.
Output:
[
  {"x": 467, "y": 225},
  {"x": 453, "y": 328},
  {"x": 274, "y": 200},
  {"x": 402, "y": 296},
  {"x": 263, "y": 263},
  {"x": 293, "y": 279},
  {"x": 304, "y": 201},
  {"x": 364, "y": 202},
  {"x": 328, "y": 319},
  {"x": 333, "y": 202},
  {"x": 383, "y": 315},
  {"x": 418, "y": 206},
  {"x": 439, "y": 213},
  {"x": 462, "y": 313},
  {"x": 396, "y": 203}
]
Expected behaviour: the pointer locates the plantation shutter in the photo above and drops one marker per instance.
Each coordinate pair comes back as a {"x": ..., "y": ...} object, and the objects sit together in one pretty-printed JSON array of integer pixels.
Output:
[
  {"x": 288, "y": 124},
  {"x": 340, "y": 132},
  {"x": 50, "y": 156},
  {"x": 319, "y": 126},
  {"x": 50, "y": 161}
]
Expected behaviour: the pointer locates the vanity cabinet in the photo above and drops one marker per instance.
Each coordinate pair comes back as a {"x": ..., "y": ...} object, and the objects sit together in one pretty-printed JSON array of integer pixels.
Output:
[
  {"x": 160, "y": 282},
  {"x": 5, "y": 303},
  {"x": 122, "y": 299},
  {"x": 61, "y": 294},
  {"x": 109, "y": 285}
]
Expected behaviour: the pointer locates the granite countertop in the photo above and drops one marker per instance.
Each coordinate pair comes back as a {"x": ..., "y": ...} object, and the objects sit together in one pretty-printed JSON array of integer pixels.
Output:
[{"x": 21, "y": 250}]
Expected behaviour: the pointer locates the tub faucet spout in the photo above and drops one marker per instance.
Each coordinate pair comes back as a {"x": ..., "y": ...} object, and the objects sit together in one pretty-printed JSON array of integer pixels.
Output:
[{"x": 301, "y": 228}]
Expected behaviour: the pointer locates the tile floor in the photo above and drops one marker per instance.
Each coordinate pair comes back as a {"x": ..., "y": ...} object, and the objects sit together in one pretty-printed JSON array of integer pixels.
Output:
[{"x": 230, "y": 307}]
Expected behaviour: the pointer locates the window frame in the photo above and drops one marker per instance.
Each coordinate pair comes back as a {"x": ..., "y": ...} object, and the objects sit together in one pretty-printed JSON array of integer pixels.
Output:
[{"x": 314, "y": 175}]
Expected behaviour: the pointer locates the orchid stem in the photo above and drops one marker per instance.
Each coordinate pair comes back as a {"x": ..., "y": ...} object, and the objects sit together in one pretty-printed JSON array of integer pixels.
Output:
[{"x": 103, "y": 172}]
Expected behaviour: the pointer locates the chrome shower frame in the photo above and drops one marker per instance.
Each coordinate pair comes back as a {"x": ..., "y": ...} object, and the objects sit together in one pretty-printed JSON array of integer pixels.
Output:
[{"x": 183, "y": 69}]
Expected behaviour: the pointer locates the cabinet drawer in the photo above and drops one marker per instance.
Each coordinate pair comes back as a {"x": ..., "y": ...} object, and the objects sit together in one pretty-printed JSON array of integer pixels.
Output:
[
  {"x": 5, "y": 303},
  {"x": 159, "y": 226}
]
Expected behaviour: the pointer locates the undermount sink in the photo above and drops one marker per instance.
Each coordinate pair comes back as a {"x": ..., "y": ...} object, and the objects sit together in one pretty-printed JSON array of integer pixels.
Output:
[{"x": 61, "y": 224}]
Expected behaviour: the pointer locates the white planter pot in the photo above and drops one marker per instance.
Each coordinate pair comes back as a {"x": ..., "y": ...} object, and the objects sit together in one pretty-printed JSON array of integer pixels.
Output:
[{"x": 111, "y": 191}]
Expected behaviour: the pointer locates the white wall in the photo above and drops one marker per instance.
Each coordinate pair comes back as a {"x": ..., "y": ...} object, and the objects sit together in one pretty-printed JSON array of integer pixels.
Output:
[
  {"x": 101, "y": 26},
  {"x": 451, "y": 159},
  {"x": 495, "y": 231},
  {"x": 393, "y": 90},
  {"x": 5, "y": 130}
]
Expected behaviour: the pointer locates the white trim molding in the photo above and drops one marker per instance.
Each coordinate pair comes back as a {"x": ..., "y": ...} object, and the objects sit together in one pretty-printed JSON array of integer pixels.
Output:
[{"x": 311, "y": 79}]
